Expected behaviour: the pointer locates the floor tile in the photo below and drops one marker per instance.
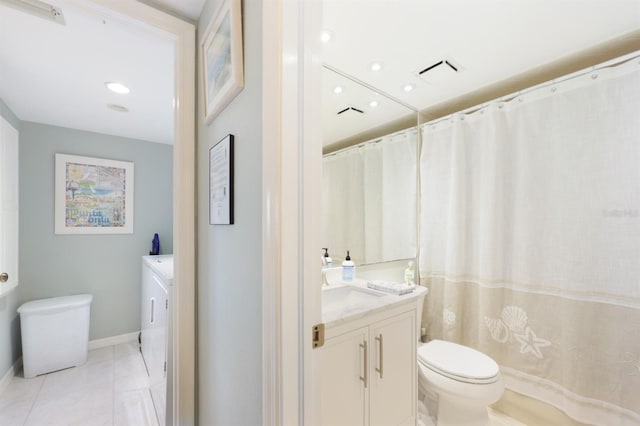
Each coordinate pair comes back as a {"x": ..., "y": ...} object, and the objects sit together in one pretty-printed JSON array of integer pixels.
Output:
[
  {"x": 18, "y": 398},
  {"x": 134, "y": 407},
  {"x": 111, "y": 388}
]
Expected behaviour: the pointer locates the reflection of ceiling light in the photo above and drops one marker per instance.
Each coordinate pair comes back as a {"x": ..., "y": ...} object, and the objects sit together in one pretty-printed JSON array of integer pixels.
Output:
[
  {"x": 376, "y": 66},
  {"x": 37, "y": 8},
  {"x": 117, "y": 87},
  {"x": 118, "y": 108},
  {"x": 373, "y": 104},
  {"x": 325, "y": 36},
  {"x": 408, "y": 87},
  {"x": 337, "y": 90}
]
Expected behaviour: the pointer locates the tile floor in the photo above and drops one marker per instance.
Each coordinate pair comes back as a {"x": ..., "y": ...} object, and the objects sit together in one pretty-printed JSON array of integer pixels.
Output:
[{"x": 112, "y": 389}]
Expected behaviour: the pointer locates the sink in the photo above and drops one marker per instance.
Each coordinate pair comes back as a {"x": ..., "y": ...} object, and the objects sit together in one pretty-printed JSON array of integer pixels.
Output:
[{"x": 348, "y": 298}]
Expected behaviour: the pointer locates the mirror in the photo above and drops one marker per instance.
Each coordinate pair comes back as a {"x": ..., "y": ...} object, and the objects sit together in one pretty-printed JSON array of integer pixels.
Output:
[{"x": 369, "y": 173}]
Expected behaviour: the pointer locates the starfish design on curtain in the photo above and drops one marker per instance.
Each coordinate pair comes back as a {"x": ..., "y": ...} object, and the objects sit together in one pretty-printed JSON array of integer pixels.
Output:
[{"x": 530, "y": 343}]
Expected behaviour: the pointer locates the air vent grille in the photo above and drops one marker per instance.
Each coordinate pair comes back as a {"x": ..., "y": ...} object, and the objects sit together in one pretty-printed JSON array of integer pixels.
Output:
[
  {"x": 350, "y": 108},
  {"x": 439, "y": 70}
]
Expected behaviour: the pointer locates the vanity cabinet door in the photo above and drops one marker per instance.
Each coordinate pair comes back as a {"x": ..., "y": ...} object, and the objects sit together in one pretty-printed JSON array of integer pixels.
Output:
[
  {"x": 393, "y": 382},
  {"x": 344, "y": 380}
]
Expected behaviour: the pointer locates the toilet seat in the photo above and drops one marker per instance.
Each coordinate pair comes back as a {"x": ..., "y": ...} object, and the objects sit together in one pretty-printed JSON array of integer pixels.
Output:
[{"x": 458, "y": 362}]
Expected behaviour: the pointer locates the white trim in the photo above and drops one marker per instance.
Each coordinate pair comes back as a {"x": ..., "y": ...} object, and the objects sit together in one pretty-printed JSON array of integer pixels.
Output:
[
  {"x": 298, "y": 227},
  {"x": 113, "y": 340},
  {"x": 11, "y": 372},
  {"x": 271, "y": 199}
]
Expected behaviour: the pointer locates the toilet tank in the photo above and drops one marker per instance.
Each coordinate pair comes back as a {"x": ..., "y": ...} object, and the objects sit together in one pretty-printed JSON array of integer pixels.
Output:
[{"x": 55, "y": 333}]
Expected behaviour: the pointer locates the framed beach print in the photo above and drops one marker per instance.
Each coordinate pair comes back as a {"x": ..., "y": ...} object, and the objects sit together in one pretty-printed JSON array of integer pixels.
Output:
[
  {"x": 221, "y": 58},
  {"x": 93, "y": 195},
  {"x": 221, "y": 182}
]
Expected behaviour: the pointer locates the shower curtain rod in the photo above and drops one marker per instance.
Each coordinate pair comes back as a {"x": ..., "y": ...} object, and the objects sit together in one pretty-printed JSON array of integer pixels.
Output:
[
  {"x": 375, "y": 140},
  {"x": 506, "y": 98}
]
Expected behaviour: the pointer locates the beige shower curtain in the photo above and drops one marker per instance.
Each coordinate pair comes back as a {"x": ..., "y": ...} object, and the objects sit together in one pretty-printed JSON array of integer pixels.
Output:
[{"x": 530, "y": 240}]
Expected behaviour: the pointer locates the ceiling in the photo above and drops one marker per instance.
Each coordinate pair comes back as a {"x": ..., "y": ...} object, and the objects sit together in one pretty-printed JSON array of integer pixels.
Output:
[
  {"x": 55, "y": 74},
  {"x": 486, "y": 41}
]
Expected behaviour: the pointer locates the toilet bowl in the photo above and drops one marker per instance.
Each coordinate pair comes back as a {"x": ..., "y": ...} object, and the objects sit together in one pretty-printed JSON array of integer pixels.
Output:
[{"x": 464, "y": 380}]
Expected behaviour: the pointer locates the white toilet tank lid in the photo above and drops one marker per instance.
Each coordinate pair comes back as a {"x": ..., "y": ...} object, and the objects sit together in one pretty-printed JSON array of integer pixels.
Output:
[
  {"x": 55, "y": 304},
  {"x": 458, "y": 362}
]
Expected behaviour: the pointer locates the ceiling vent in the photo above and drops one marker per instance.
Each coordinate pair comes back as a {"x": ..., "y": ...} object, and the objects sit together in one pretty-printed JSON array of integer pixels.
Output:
[
  {"x": 439, "y": 71},
  {"x": 349, "y": 109}
]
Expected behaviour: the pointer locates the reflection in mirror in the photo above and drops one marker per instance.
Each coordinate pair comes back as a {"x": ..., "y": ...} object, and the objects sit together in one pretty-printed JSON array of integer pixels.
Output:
[{"x": 369, "y": 186}]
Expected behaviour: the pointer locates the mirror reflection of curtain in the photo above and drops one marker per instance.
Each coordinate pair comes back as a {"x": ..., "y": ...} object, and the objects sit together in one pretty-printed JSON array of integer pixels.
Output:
[
  {"x": 369, "y": 200},
  {"x": 530, "y": 240}
]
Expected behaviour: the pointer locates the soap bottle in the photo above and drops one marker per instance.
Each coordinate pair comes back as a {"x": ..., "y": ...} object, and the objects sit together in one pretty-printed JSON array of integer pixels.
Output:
[
  {"x": 327, "y": 262},
  {"x": 348, "y": 269},
  {"x": 409, "y": 274}
]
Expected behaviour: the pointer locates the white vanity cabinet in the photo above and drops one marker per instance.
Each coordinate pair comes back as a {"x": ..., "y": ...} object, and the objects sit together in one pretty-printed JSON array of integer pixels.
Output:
[
  {"x": 369, "y": 372},
  {"x": 157, "y": 287}
]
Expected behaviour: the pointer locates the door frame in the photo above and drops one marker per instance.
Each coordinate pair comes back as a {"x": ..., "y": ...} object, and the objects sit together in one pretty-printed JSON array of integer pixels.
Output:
[
  {"x": 182, "y": 34},
  {"x": 292, "y": 180}
]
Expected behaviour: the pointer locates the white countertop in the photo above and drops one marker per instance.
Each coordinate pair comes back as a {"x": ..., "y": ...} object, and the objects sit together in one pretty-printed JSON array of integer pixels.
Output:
[{"x": 333, "y": 317}]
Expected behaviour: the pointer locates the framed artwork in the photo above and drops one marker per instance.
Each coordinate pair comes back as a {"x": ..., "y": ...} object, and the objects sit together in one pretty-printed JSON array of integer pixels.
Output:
[
  {"x": 93, "y": 195},
  {"x": 221, "y": 58},
  {"x": 221, "y": 182}
]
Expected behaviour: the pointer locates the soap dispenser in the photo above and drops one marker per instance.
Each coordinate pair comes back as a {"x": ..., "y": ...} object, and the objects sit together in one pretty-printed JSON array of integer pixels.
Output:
[
  {"x": 327, "y": 262},
  {"x": 348, "y": 269},
  {"x": 409, "y": 274}
]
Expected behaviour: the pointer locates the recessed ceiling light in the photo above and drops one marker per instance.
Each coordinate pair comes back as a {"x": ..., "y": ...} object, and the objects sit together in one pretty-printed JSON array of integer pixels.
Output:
[
  {"x": 117, "y": 87},
  {"x": 373, "y": 104},
  {"x": 408, "y": 87},
  {"x": 376, "y": 66},
  {"x": 118, "y": 108},
  {"x": 337, "y": 90},
  {"x": 325, "y": 36}
]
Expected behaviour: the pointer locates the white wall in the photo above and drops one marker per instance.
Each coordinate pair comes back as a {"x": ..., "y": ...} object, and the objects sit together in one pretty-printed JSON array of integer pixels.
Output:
[{"x": 229, "y": 261}]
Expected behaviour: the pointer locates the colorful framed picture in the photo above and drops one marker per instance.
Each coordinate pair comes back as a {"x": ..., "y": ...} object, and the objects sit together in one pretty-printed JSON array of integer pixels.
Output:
[
  {"x": 93, "y": 195},
  {"x": 221, "y": 58}
]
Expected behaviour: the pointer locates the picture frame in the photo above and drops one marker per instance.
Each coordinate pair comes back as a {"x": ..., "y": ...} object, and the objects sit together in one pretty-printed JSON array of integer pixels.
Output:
[
  {"x": 221, "y": 171},
  {"x": 93, "y": 195},
  {"x": 221, "y": 56}
]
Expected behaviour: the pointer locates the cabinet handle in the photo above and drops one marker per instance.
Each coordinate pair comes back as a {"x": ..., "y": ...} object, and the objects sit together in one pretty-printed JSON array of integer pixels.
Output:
[
  {"x": 365, "y": 379},
  {"x": 380, "y": 354},
  {"x": 153, "y": 302}
]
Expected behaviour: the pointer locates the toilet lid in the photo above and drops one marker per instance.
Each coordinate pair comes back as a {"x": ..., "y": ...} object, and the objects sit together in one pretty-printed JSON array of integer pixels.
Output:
[{"x": 458, "y": 362}]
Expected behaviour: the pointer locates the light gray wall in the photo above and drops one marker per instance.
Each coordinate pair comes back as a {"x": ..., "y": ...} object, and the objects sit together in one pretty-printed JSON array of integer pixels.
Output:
[
  {"x": 229, "y": 271},
  {"x": 9, "y": 324},
  {"x": 107, "y": 266}
]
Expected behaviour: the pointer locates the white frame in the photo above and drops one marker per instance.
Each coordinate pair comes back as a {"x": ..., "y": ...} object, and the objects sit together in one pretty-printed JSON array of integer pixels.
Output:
[
  {"x": 61, "y": 227},
  {"x": 215, "y": 102}
]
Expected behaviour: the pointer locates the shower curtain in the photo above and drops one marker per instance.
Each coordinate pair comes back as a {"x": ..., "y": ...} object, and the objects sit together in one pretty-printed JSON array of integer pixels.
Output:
[
  {"x": 530, "y": 240},
  {"x": 369, "y": 200}
]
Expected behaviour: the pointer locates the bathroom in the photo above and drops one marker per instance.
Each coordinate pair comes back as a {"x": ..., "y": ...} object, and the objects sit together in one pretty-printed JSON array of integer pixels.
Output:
[
  {"x": 231, "y": 287},
  {"x": 444, "y": 183}
]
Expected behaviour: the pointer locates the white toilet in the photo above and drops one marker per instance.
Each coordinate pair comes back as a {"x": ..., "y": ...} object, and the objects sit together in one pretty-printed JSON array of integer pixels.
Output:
[{"x": 464, "y": 381}]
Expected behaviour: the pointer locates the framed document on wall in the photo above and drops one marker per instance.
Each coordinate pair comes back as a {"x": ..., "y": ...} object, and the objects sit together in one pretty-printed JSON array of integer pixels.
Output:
[{"x": 221, "y": 182}]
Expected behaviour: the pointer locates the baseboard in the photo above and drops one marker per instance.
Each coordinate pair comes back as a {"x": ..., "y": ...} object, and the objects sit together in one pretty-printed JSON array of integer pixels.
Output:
[
  {"x": 6, "y": 379},
  {"x": 113, "y": 340}
]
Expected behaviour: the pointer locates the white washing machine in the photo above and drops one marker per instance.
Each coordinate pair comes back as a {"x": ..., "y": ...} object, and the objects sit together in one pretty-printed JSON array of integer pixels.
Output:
[{"x": 155, "y": 337}]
